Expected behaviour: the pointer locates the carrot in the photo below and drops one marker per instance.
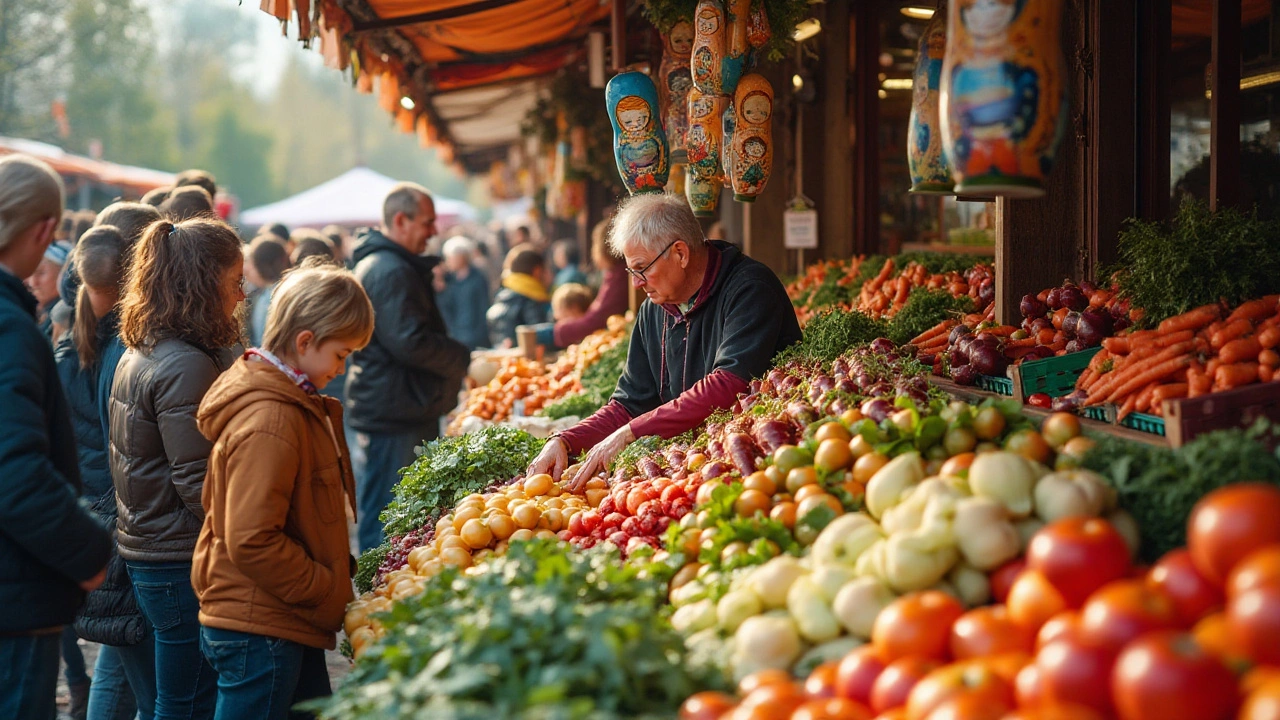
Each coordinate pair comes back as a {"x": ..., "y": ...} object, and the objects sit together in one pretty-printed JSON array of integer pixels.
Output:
[
  {"x": 1266, "y": 374},
  {"x": 1269, "y": 336},
  {"x": 1120, "y": 345},
  {"x": 1058, "y": 346},
  {"x": 1018, "y": 353},
  {"x": 1129, "y": 404},
  {"x": 1024, "y": 342},
  {"x": 1198, "y": 382},
  {"x": 1144, "y": 397},
  {"x": 1086, "y": 378},
  {"x": 1191, "y": 320},
  {"x": 1235, "y": 375},
  {"x": 941, "y": 328},
  {"x": 1058, "y": 316},
  {"x": 1240, "y": 350},
  {"x": 972, "y": 319},
  {"x": 1168, "y": 391},
  {"x": 1001, "y": 330},
  {"x": 1212, "y": 366},
  {"x": 1270, "y": 358},
  {"x": 1100, "y": 298},
  {"x": 1232, "y": 330},
  {"x": 1254, "y": 310},
  {"x": 1159, "y": 369}
]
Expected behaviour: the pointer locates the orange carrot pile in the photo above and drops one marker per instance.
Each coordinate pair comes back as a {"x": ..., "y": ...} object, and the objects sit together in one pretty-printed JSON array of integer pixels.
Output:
[{"x": 1200, "y": 351}]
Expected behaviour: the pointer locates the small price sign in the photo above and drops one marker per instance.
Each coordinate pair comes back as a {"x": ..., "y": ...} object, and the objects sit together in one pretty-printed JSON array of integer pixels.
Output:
[{"x": 800, "y": 229}]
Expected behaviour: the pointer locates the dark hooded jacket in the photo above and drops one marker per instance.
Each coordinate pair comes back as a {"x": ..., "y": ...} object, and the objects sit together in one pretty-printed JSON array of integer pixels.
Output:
[{"x": 410, "y": 373}]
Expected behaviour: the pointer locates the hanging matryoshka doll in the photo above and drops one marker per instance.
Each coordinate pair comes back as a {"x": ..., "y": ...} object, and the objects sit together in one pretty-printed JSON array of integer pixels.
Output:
[
  {"x": 640, "y": 146},
  {"x": 930, "y": 171},
  {"x": 703, "y": 180},
  {"x": 734, "y": 64},
  {"x": 758, "y": 31},
  {"x": 710, "y": 42},
  {"x": 675, "y": 80},
  {"x": 752, "y": 137},
  {"x": 727, "y": 126}
]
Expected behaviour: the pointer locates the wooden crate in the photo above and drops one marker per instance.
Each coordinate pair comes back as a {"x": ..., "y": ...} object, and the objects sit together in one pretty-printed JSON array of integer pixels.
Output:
[{"x": 1186, "y": 418}]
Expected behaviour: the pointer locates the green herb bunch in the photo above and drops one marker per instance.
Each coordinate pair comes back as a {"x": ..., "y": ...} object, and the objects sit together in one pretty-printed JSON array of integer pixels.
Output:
[
  {"x": 830, "y": 334},
  {"x": 451, "y": 468},
  {"x": 924, "y": 309},
  {"x": 545, "y": 631}
]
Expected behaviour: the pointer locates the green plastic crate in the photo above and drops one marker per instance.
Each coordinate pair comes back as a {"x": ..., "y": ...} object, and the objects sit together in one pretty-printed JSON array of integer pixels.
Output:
[
  {"x": 1055, "y": 376},
  {"x": 992, "y": 383},
  {"x": 1143, "y": 422},
  {"x": 1095, "y": 412}
]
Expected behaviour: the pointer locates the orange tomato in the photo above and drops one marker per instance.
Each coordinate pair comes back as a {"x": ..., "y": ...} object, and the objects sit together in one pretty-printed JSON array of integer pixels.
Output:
[
  {"x": 833, "y": 455},
  {"x": 833, "y": 430},
  {"x": 799, "y": 477},
  {"x": 813, "y": 502},
  {"x": 988, "y": 631},
  {"x": 785, "y": 513},
  {"x": 808, "y": 491},
  {"x": 892, "y": 686},
  {"x": 1064, "y": 624},
  {"x": 1228, "y": 524},
  {"x": 760, "y": 480},
  {"x": 832, "y": 709},
  {"x": 757, "y": 680},
  {"x": 868, "y": 465},
  {"x": 1007, "y": 665},
  {"x": 969, "y": 707},
  {"x": 1262, "y": 703},
  {"x": 957, "y": 465},
  {"x": 1054, "y": 712},
  {"x": 964, "y": 679},
  {"x": 751, "y": 502},
  {"x": 1124, "y": 610},
  {"x": 821, "y": 683},
  {"x": 771, "y": 702},
  {"x": 1002, "y": 578},
  {"x": 917, "y": 624},
  {"x": 706, "y": 706},
  {"x": 1032, "y": 600},
  {"x": 1260, "y": 568}
]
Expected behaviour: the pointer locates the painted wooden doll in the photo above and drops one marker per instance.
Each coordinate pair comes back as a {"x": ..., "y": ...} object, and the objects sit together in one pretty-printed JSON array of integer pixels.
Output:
[
  {"x": 640, "y": 146},
  {"x": 675, "y": 80},
  {"x": 703, "y": 193},
  {"x": 1004, "y": 95},
  {"x": 930, "y": 171},
  {"x": 705, "y": 133},
  {"x": 710, "y": 42},
  {"x": 727, "y": 124},
  {"x": 733, "y": 65},
  {"x": 752, "y": 137},
  {"x": 758, "y": 33}
]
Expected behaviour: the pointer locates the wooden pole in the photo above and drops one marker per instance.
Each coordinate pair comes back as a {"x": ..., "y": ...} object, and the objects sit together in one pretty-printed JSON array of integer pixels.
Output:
[
  {"x": 866, "y": 166},
  {"x": 1224, "y": 108},
  {"x": 618, "y": 27}
]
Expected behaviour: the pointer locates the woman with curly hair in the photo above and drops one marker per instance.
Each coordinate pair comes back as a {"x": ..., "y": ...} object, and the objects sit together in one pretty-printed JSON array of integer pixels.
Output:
[{"x": 180, "y": 320}]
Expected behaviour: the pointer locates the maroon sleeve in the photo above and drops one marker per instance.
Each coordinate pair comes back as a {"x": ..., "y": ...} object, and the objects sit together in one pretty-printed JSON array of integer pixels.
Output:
[
  {"x": 587, "y": 433},
  {"x": 718, "y": 390},
  {"x": 611, "y": 300}
]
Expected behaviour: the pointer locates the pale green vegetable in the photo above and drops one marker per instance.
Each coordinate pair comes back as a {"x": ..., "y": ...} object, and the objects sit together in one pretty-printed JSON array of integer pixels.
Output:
[
  {"x": 1006, "y": 477},
  {"x": 984, "y": 534},
  {"x": 971, "y": 584},
  {"x": 735, "y": 607},
  {"x": 766, "y": 641},
  {"x": 844, "y": 539},
  {"x": 887, "y": 486},
  {"x": 1069, "y": 493},
  {"x": 771, "y": 581},
  {"x": 695, "y": 616},
  {"x": 813, "y": 617},
  {"x": 859, "y": 602},
  {"x": 913, "y": 562}
]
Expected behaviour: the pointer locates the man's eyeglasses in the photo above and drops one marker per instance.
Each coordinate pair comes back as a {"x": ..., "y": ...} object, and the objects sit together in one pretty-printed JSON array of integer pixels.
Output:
[{"x": 638, "y": 275}]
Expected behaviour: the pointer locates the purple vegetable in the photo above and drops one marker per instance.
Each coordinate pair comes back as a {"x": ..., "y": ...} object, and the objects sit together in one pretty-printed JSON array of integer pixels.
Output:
[
  {"x": 1093, "y": 327},
  {"x": 883, "y": 345},
  {"x": 840, "y": 368},
  {"x": 988, "y": 360},
  {"x": 1088, "y": 288},
  {"x": 1041, "y": 324},
  {"x": 1075, "y": 345},
  {"x": 1069, "y": 324},
  {"x": 957, "y": 357},
  {"x": 877, "y": 409},
  {"x": 963, "y": 375},
  {"x": 845, "y": 385},
  {"x": 1031, "y": 307},
  {"x": 772, "y": 434},
  {"x": 986, "y": 292},
  {"x": 1054, "y": 299},
  {"x": 714, "y": 469},
  {"x": 1073, "y": 298},
  {"x": 743, "y": 451},
  {"x": 928, "y": 359},
  {"x": 958, "y": 332},
  {"x": 835, "y": 408},
  {"x": 880, "y": 389},
  {"x": 650, "y": 468},
  {"x": 801, "y": 413}
]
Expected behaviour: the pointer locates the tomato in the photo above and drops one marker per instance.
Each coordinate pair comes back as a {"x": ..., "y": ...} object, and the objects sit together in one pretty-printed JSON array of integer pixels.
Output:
[
  {"x": 789, "y": 457},
  {"x": 813, "y": 502},
  {"x": 869, "y": 465},
  {"x": 832, "y": 709},
  {"x": 1166, "y": 676},
  {"x": 893, "y": 686},
  {"x": 1054, "y": 712},
  {"x": 1002, "y": 578},
  {"x": 758, "y": 480},
  {"x": 706, "y": 706},
  {"x": 1228, "y": 524},
  {"x": 988, "y": 423},
  {"x": 969, "y": 707},
  {"x": 1253, "y": 621},
  {"x": 1029, "y": 444},
  {"x": 1028, "y": 686},
  {"x": 833, "y": 455},
  {"x": 1123, "y": 611},
  {"x": 800, "y": 477},
  {"x": 988, "y": 631},
  {"x": 1262, "y": 704},
  {"x": 1176, "y": 576},
  {"x": 785, "y": 513},
  {"x": 1032, "y": 600},
  {"x": 833, "y": 430},
  {"x": 1213, "y": 634},
  {"x": 1059, "y": 428},
  {"x": 857, "y": 672},
  {"x": 821, "y": 683},
  {"x": 1064, "y": 624},
  {"x": 1040, "y": 400},
  {"x": 757, "y": 680},
  {"x": 1260, "y": 568},
  {"x": 773, "y": 701},
  {"x": 751, "y": 502},
  {"x": 1076, "y": 671},
  {"x": 894, "y": 714},
  {"x": 1078, "y": 555},
  {"x": 916, "y": 624},
  {"x": 957, "y": 680},
  {"x": 1259, "y": 676},
  {"x": 808, "y": 491},
  {"x": 957, "y": 465}
]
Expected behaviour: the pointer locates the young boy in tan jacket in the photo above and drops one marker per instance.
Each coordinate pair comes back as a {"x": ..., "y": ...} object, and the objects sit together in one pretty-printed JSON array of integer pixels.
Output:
[{"x": 272, "y": 564}]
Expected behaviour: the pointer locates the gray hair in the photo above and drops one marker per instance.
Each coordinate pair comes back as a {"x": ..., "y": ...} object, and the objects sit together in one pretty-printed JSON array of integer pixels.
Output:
[
  {"x": 651, "y": 221},
  {"x": 30, "y": 192},
  {"x": 403, "y": 198},
  {"x": 459, "y": 245}
]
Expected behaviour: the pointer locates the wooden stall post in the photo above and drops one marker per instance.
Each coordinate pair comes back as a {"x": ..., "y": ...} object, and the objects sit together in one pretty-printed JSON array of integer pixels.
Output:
[
  {"x": 866, "y": 125},
  {"x": 1224, "y": 106}
]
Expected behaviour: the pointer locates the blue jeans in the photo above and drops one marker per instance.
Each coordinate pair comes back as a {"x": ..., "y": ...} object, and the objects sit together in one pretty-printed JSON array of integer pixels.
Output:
[
  {"x": 29, "y": 676},
  {"x": 186, "y": 687},
  {"x": 261, "y": 677},
  {"x": 124, "y": 682},
  {"x": 73, "y": 657},
  {"x": 384, "y": 455}
]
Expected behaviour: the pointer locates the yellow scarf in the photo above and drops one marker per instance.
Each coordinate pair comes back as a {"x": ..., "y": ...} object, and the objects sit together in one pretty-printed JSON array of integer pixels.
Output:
[{"x": 526, "y": 285}]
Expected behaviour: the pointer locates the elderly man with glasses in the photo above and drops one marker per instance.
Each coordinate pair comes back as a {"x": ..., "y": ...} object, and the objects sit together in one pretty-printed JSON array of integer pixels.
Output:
[{"x": 713, "y": 319}]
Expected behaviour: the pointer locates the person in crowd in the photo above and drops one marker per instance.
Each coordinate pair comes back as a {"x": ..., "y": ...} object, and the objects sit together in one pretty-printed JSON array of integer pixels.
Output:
[
  {"x": 186, "y": 202},
  {"x": 110, "y": 615},
  {"x": 570, "y": 302},
  {"x": 155, "y": 197},
  {"x": 266, "y": 262},
  {"x": 465, "y": 297},
  {"x": 199, "y": 178},
  {"x": 43, "y": 283},
  {"x": 84, "y": 221},
  {"x": 308, "y": 243},
  {"x": 520, "y": 236},
  {"x": 409, "y": 375},
  {"x": 713, "y": 320},
  {"x": 612, "y": 298},
  {"x": 523, "y": 299},
  {"x": 281, "y": 233},
  {"x": 272, "y": 564},
  {"x": 179, "y": 319},
  {"x": 52, "y": 551},
  {"x": 342, "y": 241},
  {"x": 565, "y": 259}
]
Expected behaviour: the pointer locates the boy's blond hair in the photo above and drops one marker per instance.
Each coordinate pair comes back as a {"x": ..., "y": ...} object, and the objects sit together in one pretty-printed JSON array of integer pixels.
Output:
[
  {"x": 320, "y": 297},
  {"x": 571, "y": 296}
]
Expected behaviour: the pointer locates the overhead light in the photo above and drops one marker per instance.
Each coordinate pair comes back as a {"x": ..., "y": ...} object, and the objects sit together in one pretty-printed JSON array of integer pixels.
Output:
[
  {"x": 797, "y": 82},
  {"x": 1260, "y": 80},
  {"x": 898, "y": 84},
  {"x": 407, "y": 103},
  {"x": 807, "y": 29},
  {"x": 916, "y": 12},
  {"x": 882, "y": 94}
]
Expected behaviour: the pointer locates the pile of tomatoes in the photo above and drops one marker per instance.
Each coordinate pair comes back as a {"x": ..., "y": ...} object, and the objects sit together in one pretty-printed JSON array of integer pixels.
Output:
[
  {"x": 1080, "y": 634},
  {"x": 632, "y": 514}
]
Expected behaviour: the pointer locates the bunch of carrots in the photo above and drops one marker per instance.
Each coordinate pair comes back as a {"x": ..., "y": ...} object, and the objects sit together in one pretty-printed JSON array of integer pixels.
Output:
[
  {"x": 1198, "y": 352},
  {"x": 935, "y": 340},
  {"x": 885, "y": 294}
]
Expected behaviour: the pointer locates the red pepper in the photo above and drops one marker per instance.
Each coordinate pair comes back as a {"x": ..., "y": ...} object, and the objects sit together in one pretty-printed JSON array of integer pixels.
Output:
[{"x": 1041, "y": 400}]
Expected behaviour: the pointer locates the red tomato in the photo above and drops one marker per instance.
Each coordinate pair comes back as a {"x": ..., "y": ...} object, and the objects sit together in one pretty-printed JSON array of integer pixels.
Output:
[
  {"x": 858, "y": 672},
  {"x": 916, "y": 624},
  {"x": 772, "y": 701},
  {"x": 1260, "y": 568},
  {"x": 1257, "y": 677},
  {"x": 1176, "y": 576},
  {"x": 1076, "y": 671},
  {"x": 1028, "y": 686},
  {"x": 969, "y": 707},
  {"x": 1054, "y": 712},
  {"x": 821, "y": 683},
  {"x": 1253, "y": 621},
  {"x": 1002, "y": 578},
  {"x": 832, "y": 709},
  {"x": 1214, "y": 635},
  {"x": 987, "y": 631},
  {"x": 762, "y": 678},
  {"x": 1032, "y": 600},
  {"x": 1262, "y": 704},
  {"x": 1078, "y": 555},
  {"x": 1008, "y": 665},
  {"x": 1064, "y": 624},
  {"x": 894, "y": 714},
  {"x": 891, "y": 688},
  {"x": 1123, "y": 611},
  {"x": 1167, "y": 676},
  {"x": 706, "y": 706},
  {"x": 970, "y": 679},
  {"x": 1040, "y": 400},
  {"x": 1228, "y": 524}
]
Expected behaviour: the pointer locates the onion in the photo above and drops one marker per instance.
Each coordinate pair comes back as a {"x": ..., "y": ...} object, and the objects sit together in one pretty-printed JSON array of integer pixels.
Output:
[
  {"x": 963, "y": 375},
  {"x": 958, "y": 332},
  {"x": 877, "y": 409},
  {"x": 883, "y": 345},
  {"x": 1073, "y": 298},
  {"x": 1069, "y": 323},
  {"x": 1054, "y": 299},
  {"x": 988, "y": 360},
  {"x": 1093, "y": 327},
  {"x": 1032, "y": 307}
]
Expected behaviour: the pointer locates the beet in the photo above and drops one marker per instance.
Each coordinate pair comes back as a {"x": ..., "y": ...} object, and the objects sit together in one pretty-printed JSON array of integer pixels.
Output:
[
  {"x": 1054, "y": 299},
  {"x": 988, "y": 360},
  {"x": 1031, "y": 307},
  {"x": 986, "y": 292},
  {"x": 1069, "y": 324},
  {"x": 1088, "y": 288},
  {"x": 957, "y": 357},
  {"x": 877, "y": 409},
  {"x": 1094, "y": 325},
  {"x": 958, "y": 332},
  {"x": 963, "y": 375},
  {"x": 1073, "y": 298},
  {"x": 883, "y": 345},
  {"x": 1041, "y": 324}
]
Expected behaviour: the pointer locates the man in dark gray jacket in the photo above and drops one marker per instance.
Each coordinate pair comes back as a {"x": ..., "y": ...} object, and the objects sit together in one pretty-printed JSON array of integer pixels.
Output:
[{"x": 410, "y": 373}]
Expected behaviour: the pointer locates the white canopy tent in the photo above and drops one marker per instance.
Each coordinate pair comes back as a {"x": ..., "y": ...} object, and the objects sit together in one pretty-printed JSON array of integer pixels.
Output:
[{"x": 353, "y": 199}]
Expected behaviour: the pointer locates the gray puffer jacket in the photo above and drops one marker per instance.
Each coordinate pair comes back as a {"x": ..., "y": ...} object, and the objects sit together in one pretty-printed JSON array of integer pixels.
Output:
[{"x": 158, "y": 455}]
